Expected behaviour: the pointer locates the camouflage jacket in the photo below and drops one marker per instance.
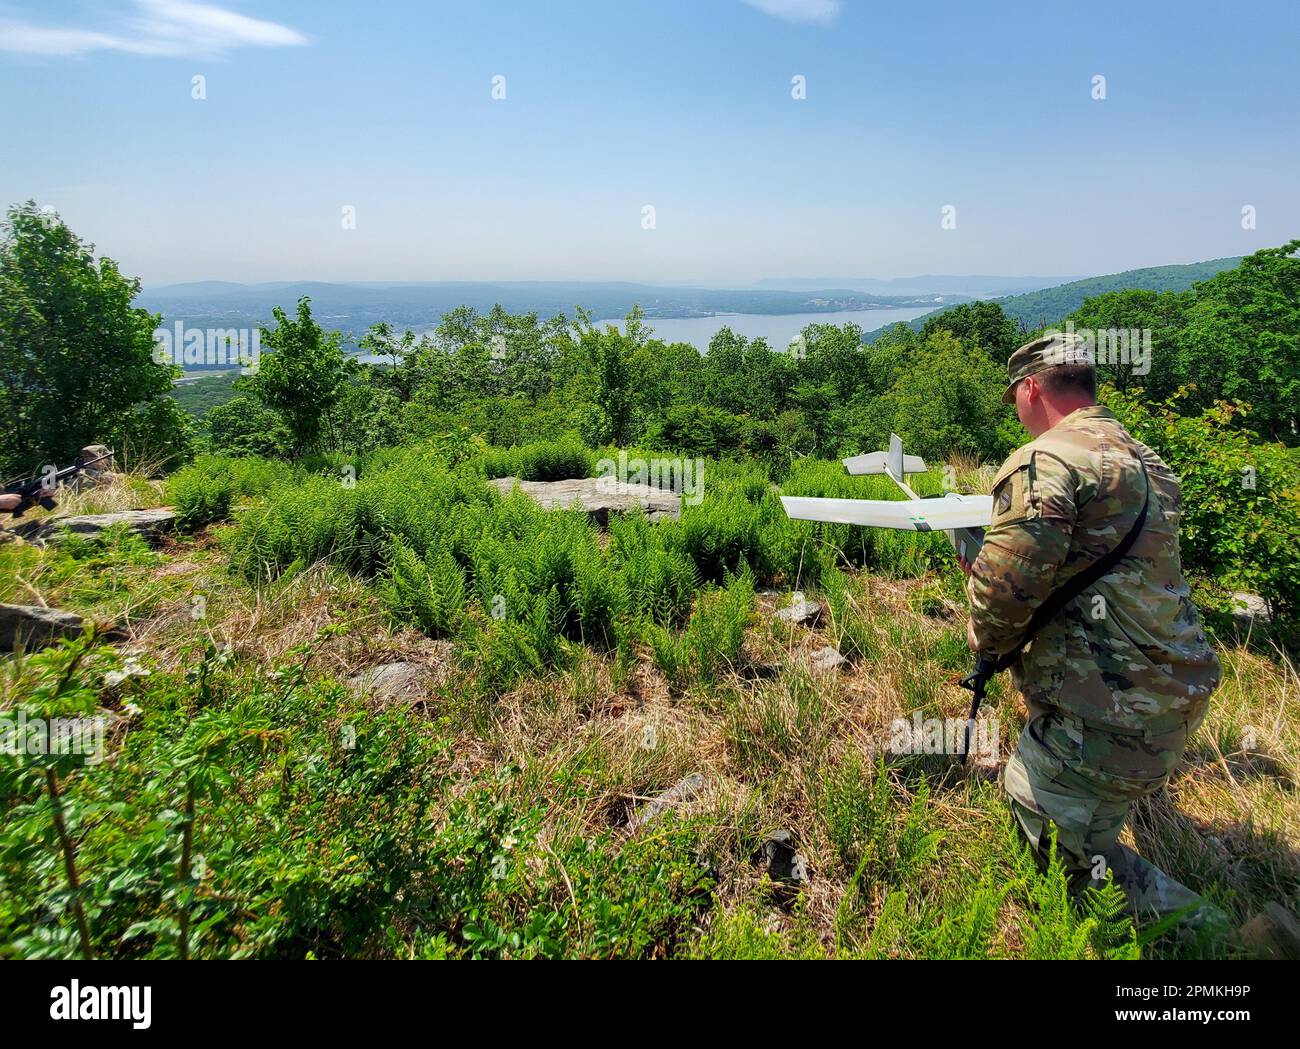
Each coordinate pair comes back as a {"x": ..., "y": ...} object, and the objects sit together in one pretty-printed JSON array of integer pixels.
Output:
[{"x": 1129, "y": 653}]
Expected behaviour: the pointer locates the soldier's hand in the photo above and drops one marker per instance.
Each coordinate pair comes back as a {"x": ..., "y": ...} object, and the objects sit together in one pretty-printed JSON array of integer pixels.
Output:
[
  {"x": 971, "y": 643},
  {"x": 965, "y": 565},
  {"x": 10, "y": 501}
]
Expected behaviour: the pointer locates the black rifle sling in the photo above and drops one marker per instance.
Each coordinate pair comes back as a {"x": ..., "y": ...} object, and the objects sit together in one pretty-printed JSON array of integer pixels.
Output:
[{"x": 986, "y": 667}]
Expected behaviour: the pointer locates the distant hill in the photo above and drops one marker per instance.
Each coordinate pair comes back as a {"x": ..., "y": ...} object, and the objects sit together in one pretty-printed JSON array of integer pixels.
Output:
[
  {"x": 1037, "y": 309},
  {"x": 982, "y": 287}
]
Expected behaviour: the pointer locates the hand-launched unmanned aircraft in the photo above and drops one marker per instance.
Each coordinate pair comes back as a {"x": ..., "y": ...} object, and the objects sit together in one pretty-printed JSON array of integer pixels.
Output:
[{"x": 962, "y": 517}]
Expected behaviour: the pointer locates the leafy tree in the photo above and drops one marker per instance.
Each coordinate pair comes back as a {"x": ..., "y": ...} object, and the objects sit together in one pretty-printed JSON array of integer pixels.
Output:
[
  {"x": 981, "y": 325},
  {"x": 949, "y": 399},
  {"x": 668, "y": 374},
  {"x": 499, "y": 354},
  {"x": 745, "y": 376},
  {"x": 245, "y": 426},
  {"x": 608, "y": 357},
  {"x": 1137, "y": 309},
  {"x": 833, "y": 357},
  {"x": 697, "y": 429},
  {"x": 301, "y": 377},
  {"x": 368, "y": 412},
  {"x": 76, "y": 359},
  {"x": 1241, "y": 340},
  {"x": 380, "y": 340}
]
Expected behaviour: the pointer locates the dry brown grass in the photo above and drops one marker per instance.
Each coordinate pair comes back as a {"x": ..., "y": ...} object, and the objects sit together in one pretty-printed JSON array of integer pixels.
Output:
[
  {"x": 133, "y": 490},
  {"x": 972, "y": 475},
  {"x": 1232, "y": 811}
]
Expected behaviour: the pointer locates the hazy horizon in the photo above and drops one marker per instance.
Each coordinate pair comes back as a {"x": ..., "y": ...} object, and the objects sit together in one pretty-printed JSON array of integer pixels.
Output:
[{"x": 762, "y": 283}]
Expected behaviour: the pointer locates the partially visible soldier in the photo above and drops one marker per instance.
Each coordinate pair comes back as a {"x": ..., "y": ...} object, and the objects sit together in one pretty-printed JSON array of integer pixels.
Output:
[{"x": 1119, "y": 680}]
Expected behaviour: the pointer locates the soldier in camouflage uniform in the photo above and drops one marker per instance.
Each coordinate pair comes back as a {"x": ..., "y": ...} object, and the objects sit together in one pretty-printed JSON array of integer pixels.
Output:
[{"x": 1119, "y": 680}]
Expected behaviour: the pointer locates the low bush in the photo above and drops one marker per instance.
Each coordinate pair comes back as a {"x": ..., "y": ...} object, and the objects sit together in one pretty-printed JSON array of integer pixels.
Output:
[
  {"x": 1241, "y": 495},
  {"x": 541, "y": 460},
  {"x": 200, "y": 496}
]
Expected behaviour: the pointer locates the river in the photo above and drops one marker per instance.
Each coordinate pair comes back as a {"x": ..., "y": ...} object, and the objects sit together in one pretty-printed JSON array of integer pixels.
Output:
[{"x": 777, "y": 328}]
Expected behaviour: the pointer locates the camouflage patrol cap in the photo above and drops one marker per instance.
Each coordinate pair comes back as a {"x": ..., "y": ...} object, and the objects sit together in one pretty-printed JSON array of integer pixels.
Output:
[{"x": 1049, "y": 350}]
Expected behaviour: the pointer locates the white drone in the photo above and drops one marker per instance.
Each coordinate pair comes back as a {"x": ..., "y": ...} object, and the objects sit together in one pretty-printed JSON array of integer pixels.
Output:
[{"x": 962, "y": 517}]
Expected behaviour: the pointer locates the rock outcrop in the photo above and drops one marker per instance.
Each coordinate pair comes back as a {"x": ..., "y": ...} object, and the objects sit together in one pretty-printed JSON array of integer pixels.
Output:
[
  {"x": 391, "y": 683},
  {"x": 598, "y": 496},
  {"x": 800, "y": 610},
  {"x": 34, "y": 626},
  {"x": 826, "y": 660},
  {"x": 149, "y": 524}
]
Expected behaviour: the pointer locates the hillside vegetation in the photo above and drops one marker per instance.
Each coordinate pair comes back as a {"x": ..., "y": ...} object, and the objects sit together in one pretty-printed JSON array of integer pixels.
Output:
[{"x": 1039, "y": 309}]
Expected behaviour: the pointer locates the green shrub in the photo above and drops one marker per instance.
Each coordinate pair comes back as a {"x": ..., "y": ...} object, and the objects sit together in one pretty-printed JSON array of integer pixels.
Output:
[
  {"x": 243, "y": 426},
  {"x": 697, "y": 429},
  {"x": 504, "y": 893},
  {"x": 541, "y": 460},
  {"x": 200, "y": 495},
  {"x": 303, "y": 522},
  {"x": 1241, "y": 496},
  {"x": 254, "y": 477},
  {"x": 661, "y": 583},
  {"x": 204, "y": 491},
  {"x": 427, "y": 592},
  {"x": 712, "y": 640},
  {"x": 304, "y": 840}
]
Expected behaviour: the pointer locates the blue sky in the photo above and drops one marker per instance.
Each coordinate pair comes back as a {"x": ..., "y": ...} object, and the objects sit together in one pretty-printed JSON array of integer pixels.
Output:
[{"x": 684, "y": 105}]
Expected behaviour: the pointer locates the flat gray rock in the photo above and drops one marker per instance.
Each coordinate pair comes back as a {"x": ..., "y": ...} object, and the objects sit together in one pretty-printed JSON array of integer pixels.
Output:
[
  {"x": 598, "y": 496},
  {"x": 35, "y": 626},
  {"x": 800, "y": 610},
  {"x": 392, "y": 682},
  {"x": 682, "y": 791},
  {"x": 150, "y": 524},
  {"x": 826, "y": 660},
  {"x": 1247, "y": 607}
]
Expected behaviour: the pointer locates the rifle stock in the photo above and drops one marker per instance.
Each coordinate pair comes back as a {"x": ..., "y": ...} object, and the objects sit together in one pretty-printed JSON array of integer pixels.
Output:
[{"x": 40, "y": 490}]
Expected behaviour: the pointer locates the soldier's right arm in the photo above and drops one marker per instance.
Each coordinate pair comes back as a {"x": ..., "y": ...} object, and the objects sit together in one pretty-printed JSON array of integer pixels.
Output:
[{"x": 1027, "y": 543}]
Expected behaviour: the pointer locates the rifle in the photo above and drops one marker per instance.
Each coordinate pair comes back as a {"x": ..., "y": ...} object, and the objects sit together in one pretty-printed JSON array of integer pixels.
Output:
[
  {"x": 987, "y": 664},
  {"x": 41, "y": 489}
]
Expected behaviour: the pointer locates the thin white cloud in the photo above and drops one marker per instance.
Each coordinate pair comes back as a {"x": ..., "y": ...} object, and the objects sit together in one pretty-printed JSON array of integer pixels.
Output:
[
  {"x": 159, "y": 27},
  {"x": 822, "y": 12}
]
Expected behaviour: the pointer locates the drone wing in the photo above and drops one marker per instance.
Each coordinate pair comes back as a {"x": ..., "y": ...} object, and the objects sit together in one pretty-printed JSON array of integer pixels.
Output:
[{"x": 950, "y": 512}]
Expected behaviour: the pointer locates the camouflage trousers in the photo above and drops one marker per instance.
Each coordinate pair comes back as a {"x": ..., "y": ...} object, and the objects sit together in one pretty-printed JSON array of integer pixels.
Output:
[{"x": 1084, "y": 781}]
